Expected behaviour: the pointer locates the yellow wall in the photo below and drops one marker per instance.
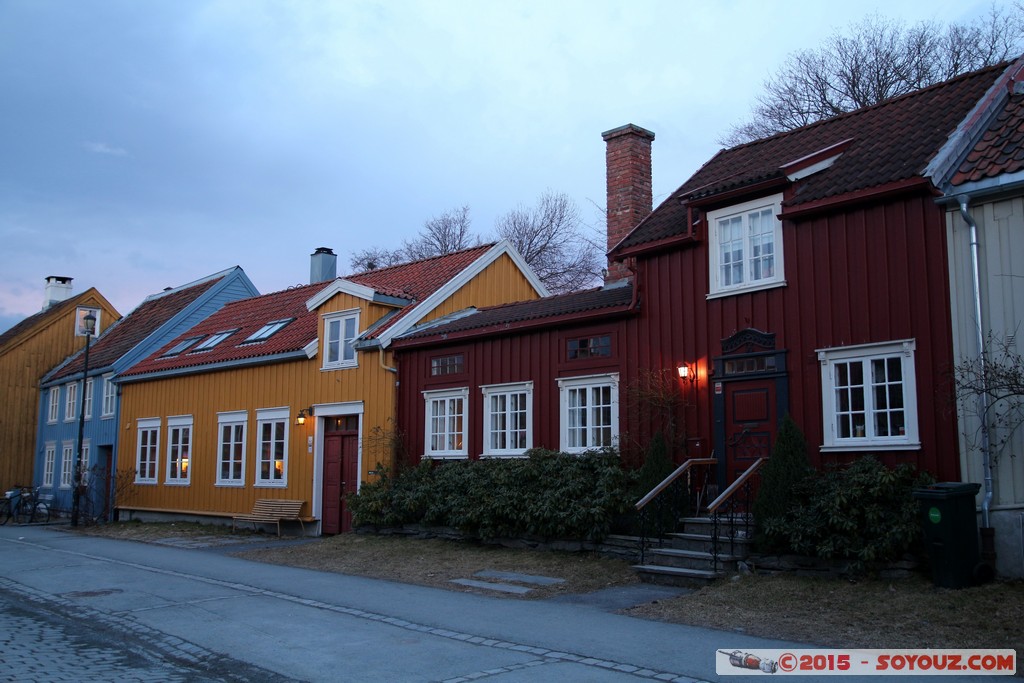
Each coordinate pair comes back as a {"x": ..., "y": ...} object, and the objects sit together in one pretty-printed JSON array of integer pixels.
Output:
[
  {"x": 294, "y": 384},
  {"x": 24, "y": 359}
]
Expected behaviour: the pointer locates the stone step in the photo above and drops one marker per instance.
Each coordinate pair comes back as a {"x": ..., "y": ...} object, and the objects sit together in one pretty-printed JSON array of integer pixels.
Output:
[
  {"x": 690, "y": 559},
  {"x": 703, "y": 543},
  {"x": 675, "y": 576}
]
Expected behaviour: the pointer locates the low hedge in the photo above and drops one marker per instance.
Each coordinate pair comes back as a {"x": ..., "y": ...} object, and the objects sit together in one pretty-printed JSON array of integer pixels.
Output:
[{"x": 547, "y": 494}]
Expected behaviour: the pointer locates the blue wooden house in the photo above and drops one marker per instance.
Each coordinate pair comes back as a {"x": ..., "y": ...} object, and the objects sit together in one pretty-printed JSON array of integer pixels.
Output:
[{"x": 64, "y": 403}]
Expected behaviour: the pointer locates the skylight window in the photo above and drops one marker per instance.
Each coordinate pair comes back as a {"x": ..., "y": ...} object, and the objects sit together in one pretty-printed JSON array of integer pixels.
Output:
[
  {"x": 214, "y": 340},
  {"x": 181, "y": 346},
  {"x": 268, "y": 330}
]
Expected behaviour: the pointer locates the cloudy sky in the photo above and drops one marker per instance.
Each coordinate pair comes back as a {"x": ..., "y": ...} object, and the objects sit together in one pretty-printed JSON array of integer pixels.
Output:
[{"x": 148, "y": 143}]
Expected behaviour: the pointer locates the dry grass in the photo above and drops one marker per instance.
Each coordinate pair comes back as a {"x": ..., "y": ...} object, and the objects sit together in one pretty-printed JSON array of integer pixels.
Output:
[{"x": 827, "y": 612}]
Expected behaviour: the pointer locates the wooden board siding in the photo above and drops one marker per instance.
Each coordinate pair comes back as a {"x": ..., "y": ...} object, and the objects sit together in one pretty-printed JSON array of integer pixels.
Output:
[
  {"x": 23, "y": 361},
  {"x": 500, "y": 282},
  {"x": 870, "y": 274}
]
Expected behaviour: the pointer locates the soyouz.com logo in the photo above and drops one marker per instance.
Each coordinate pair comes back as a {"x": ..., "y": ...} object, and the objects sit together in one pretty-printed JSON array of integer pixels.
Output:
[{"x": 865, "y": 662}]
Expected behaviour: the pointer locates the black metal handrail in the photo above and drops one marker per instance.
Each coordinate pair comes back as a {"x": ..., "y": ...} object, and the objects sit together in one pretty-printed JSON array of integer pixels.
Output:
[
  {"x": 731, "y": 514},
  {"x": 680, "y": 493}
]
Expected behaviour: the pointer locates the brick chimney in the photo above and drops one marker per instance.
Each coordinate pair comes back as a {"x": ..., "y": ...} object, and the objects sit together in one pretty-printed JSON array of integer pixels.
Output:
[
  {"x": 628, "y": 169},
  {"x": 323, "y": 265},
  {"x": 58, "y": 288}
]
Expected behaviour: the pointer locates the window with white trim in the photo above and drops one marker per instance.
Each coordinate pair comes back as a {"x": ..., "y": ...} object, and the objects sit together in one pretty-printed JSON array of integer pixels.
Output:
[
  {"x": 446, "y": 423},
  {"x": 508, "y": 419},
  {"x": 272, "y": 447},
  {"x": 869, "y": 396},
  {"x": 54, "y": 408},
  {"x": 589, "y": 412},
  {"x": 147, "y": 450},
  {"x": 213, "y": 340},
  {"x": 109, "y": 396},
  {"x": 231, "y": 428},
  {"x": 87, "y": 399},
  {"x": 67, "y": 464},
  {"x": 746, "y": 246},
  {"x": 70, "y": 401},
  {"x": 267, "y": 331},
  {"x": 49, "y": 463},
  {"x": 180, "y": 347},
  {"x": 83, "y": 463},
  {"x": 340, "y": 332},
  {"x": 179, "y": 449}
]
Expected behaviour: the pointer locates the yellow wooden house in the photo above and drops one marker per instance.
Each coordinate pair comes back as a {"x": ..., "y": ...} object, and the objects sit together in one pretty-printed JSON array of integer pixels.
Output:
[
  {"x": 29, "y": 350},
  {"x": 290, "y": 395}
]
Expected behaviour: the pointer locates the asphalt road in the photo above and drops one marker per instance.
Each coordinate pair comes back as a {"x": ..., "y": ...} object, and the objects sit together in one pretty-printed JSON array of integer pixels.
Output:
[{"x": 93, "y": 609}]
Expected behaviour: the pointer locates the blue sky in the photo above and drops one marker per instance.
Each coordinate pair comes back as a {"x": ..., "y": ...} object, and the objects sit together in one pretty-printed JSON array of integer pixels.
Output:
[{"x": 147, "y": 144}]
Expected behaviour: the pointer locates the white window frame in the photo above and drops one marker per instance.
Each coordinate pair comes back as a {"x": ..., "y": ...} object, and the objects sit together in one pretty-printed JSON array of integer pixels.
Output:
[
  {"x": 67, "y": 464},
  {"x": 498, "y": 424},
  {"x": 49, "y": 463},
  {"x": 269, "y": 417},
  {"x": 337, "y": 343},
  {"x": 869, "y": 438},
  {"x": 441, "y": 406},
  {"x": 109, "y": 397},
  {"x": 84, "y": 462},
  {"x": 212, "y": 341},
  {"x": 237, "y": 424},
  {"x": 567, "y": 388},
  {"x": 180, "y": 449},
  {"x": 70, "y": 401},
  {"x": 54, "y": 409},
  {"x": 87, "y": 399},
  {"x": 148, "y": 459},
  {"x": 742, "y": 212}
]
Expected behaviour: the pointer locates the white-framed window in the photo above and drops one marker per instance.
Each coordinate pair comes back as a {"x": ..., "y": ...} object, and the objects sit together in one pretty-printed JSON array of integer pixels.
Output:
[
  {"x": 109, "y": 396},
  {"x": 213, "y": 340},
  {"x": 180, "y": 347},
  {"x": 179, "y": 449},
  {"x": 340, "y": 332},
  {"x": 83, "y": 463},
  {"x": 231, "y": 428},
  {"x": 268, "y": 330},
  {"x": 746, "y": 246},
  {"x": 446, "y": 423},
  {"x": 272, "y": 446},
  {"x": 589, "y": 412},
  {"x": 869, "y": 396},
  {"x": 87, "y": 399},
  {"x": 54, "y": 407},
  {"x": 67, "y": 464},
  {"x": 70, "y": 401},
  {"x": 508, "y": 419},
  {"x": 147, "y": 450},
  {"x": 49, "y": 463}
]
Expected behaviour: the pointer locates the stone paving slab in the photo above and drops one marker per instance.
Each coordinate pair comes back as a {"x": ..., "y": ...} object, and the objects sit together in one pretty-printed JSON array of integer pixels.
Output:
[
  {"x": 487, "y": 585},
  {"x": 516, "y": 577}
]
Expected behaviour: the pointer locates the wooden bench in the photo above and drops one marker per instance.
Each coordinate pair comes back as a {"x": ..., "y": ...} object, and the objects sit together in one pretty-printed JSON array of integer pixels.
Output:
[{"x": 272, "y": 511}]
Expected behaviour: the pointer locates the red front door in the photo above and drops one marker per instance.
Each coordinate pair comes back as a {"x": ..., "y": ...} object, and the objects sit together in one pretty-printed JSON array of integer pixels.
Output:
[
  {"x": 751, "y": 423},
  {"x": 341, "y": 478}
]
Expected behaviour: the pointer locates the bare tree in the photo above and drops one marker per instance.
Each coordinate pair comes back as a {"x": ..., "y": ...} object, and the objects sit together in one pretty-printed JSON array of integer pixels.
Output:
[
  {"x": 873, "y": 61},
  {"x": 374, "y": 258},
  {"x": 990, "y": 389},
  {"x": 550, "y": 237},
  {"x": 444, "y": 234}
]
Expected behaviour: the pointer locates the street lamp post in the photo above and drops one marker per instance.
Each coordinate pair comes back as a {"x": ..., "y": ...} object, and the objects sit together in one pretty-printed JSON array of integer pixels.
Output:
[{"x": 89, "y": 322}]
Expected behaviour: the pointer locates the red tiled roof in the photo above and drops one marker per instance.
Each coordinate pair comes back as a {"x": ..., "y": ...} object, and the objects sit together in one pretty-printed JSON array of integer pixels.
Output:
[
  {"x": 889, "y": 142},
  {"x": 247, "y": 316},
  {"x": 132, "y": 329},
  {"x": 412, "y": 281},
  {"x": 1000, "y": 150},
  {"x": 485, "y": 320}
]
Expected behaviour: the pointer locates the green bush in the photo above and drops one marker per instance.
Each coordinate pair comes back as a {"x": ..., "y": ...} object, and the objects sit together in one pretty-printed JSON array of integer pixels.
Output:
[
  {"x": 784, "y": 472},
  {"x": 547, "y": 494},
  {"x": 864, "y": 513}
]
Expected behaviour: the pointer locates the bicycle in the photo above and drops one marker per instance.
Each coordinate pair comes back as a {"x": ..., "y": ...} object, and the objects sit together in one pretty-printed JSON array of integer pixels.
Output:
[{"x": 22, "y": 503}]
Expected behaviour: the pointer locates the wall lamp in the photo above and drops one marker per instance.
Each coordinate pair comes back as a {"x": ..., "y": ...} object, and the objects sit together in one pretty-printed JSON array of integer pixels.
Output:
[
  {"x": 300, "y": 419},
  {"x": 687, "y": 372}
]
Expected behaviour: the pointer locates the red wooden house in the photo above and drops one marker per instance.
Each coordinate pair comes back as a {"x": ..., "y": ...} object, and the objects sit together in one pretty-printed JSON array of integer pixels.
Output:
[{"x": 804, "y": 273}]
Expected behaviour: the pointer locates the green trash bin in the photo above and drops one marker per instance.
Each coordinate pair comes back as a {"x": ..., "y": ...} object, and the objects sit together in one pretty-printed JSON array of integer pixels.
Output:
[{"x": 950, "y": 527}]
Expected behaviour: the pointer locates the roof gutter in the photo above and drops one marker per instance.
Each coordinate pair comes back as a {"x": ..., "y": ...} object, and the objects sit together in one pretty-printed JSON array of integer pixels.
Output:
[{"x": 983, "y": 404}]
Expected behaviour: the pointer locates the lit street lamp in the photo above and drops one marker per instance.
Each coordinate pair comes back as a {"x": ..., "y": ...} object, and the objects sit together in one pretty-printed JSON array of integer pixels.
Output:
[{"x": 89, "y": 323}]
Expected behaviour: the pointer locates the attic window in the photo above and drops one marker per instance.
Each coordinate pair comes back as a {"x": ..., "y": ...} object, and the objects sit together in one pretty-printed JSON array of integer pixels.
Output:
[
  {"x": 181, "y": 346},
  {"x": 589, "y": 347},
  {"x": 268, "y": 330},
  {"x": 213, "y": 340}
]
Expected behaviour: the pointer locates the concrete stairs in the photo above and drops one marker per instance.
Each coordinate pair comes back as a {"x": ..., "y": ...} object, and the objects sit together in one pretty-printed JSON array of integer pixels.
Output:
[{"x": 686, "y": 558}]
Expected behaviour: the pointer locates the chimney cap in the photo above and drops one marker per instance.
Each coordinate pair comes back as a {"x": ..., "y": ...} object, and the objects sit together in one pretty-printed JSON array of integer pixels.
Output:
[
  {"x": 322, "y": 250},
  {"x": 629, "y": 128},
  {"x": 62, "y": 279}
]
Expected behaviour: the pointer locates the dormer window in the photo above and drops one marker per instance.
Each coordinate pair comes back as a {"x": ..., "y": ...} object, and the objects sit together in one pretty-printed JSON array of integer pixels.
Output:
[
  {"x": 213, "y": 340},
  {"x": 181, "y": 346},
  {"x": 268, "y": 330},
  {"x": 746, "y": 247},
  {"x": 340, "y": 332}
]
